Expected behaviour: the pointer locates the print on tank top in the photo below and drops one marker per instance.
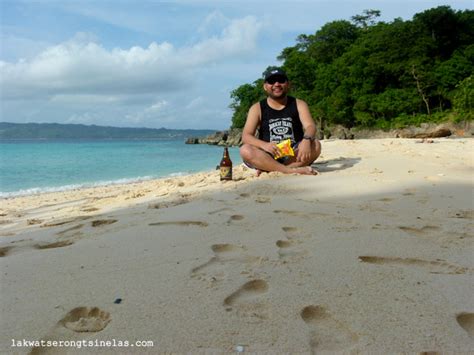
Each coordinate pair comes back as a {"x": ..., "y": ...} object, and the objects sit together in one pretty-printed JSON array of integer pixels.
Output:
[{"x": 281, "y": 129}]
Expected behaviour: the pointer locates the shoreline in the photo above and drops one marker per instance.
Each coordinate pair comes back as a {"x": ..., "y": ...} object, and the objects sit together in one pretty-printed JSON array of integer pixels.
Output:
[
  {"x": 374, "y": 255},
  {"x": 63, "y": 167},
  {"x": 89, "y": 201},
  {"x": 36, "y": 191},
  {"x": 116, "y": 195}
]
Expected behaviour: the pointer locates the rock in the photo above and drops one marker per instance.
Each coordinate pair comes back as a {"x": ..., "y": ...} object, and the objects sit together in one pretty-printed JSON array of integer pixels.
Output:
[
  {"x": 441, "y": 132},
  {"x": 340, "y": 132},
  {"x": 192, "y": 140},
  {"x": 425, "y": 131},
  {"x": 233, "y": 137}
]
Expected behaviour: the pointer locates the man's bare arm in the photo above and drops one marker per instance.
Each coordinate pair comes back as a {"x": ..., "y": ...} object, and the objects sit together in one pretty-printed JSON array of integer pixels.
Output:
[{"x": 309, "y": 127}]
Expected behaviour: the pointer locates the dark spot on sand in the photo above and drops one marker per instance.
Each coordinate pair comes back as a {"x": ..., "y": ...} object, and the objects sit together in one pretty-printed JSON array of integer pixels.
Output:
[{"x": 101, "y": 222}]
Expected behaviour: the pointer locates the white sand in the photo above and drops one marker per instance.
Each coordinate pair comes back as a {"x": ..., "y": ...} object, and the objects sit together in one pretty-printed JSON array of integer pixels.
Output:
[{"x": 373, "y": 255}]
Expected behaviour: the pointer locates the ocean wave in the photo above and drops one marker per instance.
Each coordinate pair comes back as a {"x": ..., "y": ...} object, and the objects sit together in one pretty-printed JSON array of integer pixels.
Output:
[{"x": 48, "y": 189}]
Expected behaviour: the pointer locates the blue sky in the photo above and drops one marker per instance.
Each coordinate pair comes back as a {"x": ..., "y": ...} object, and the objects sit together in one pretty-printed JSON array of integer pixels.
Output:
[{"x": 151, "y": 63}]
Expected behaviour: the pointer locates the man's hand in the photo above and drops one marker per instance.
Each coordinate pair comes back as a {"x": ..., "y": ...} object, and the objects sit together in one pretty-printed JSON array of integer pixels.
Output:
[
  {"x": 304, "y": 151},
  {"x": 270, "y": 147}
]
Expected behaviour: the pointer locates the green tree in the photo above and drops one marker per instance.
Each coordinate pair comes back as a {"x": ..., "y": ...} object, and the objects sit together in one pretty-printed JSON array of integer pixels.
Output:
[
  {"x": 242, "y": 98},
  {"x": 464, "y": 97},
  {"x": 379, "y": 74},
  {"x": 330, "y": 42},
  {"x": 366, "y": 19}
]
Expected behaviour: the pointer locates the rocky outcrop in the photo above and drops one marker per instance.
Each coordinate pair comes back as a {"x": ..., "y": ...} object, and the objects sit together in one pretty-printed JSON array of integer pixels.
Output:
[
  {"x": 425, "y": 130},
  {"x": 233, "y": 137},
  {"x": 418, "y": 132}
]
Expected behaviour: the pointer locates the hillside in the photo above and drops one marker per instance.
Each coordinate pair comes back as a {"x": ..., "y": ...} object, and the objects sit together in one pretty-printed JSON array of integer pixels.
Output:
[{"x": 79, "y": 131}]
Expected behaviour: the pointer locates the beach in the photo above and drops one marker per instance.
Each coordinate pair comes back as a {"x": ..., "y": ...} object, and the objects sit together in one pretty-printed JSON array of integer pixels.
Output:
[{"x": 373, "y": 255}]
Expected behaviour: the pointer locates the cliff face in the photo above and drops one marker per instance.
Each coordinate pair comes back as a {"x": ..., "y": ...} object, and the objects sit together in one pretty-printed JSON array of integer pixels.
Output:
[{"x": 233, "y": 137}]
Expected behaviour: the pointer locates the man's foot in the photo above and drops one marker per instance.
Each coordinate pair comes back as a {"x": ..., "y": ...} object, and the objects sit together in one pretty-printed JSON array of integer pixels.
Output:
[{"x": 305, "y": 170}]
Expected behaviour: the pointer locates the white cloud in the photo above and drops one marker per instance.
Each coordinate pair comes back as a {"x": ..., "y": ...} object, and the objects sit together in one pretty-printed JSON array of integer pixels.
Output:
[
  {"x": 157, "y": 106},
  {"x": 82, "y": 66},
  {"x": 84, "y": 99},
  {"x": 14, "y": 46},
  {"x": 212, "y": 23},
  {"x": 198, "y": 102}
]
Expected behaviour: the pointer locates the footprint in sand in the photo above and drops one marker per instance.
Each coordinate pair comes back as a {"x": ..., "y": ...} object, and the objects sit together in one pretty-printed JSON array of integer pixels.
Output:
[
  {"x": 434, "y": 267},
  {"x": 72, "y": 326},
  {"x": 166, "y": 204},
  {"x": 283, "y": 244},
  {"x": 225, "y": 248},
  {"x": 286, "y": 249},
  {"x": 86, "y": 319},
  {"x": 234, "y": 218},
  {"x": 466, "y": 321},
  {"x": 102, "y": 222},
  {"x": 469, "y": 214},
  {"x": 291, "y": 232},
  {"x": 213, "y": 270},
  {"x": 74, "y": 228},
  {"x": 385, "y": 199},
  {"x": 89, "y": 209},
  {"x": 219, "y": 210},
  {"x": 419, "y": 232},
  {"x": 55, "y": 224},
  {"x": 63, "y": 243},
  {"x": 4, "y": 251},
  {"x": 292, "y": 213},
  {"x": 326, "y": 333},
  {"x": 246, "y": 300},
  {"x": 180, "y": 223},
  {"x": 263, "y": 199}
]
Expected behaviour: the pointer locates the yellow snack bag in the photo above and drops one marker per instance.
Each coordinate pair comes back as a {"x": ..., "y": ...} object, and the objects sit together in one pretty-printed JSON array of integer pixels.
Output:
[{"x": 285, "y": 149}]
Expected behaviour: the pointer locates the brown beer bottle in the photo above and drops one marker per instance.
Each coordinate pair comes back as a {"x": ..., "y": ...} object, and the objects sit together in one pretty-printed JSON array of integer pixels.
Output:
[{"x": 226, "y": 166}]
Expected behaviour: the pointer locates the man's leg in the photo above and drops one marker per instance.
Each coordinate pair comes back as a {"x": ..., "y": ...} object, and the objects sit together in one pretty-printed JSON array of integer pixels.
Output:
[
  {"x": 315, "y": 153},
  {"x": 264, "y": 161}
]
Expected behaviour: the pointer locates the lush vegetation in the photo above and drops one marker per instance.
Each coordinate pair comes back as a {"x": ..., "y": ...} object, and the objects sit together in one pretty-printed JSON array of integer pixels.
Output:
[
  {"x": 79, "y": 131},
  {"x": 363, "y": 73}
]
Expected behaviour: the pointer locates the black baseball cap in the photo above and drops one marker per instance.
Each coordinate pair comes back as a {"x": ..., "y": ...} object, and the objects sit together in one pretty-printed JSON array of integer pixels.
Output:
[{"x": 275, "y": 71}]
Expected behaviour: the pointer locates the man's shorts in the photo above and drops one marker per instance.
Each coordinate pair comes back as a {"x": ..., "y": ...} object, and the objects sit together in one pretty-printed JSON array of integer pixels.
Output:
[{"x": 282, "y": 160}]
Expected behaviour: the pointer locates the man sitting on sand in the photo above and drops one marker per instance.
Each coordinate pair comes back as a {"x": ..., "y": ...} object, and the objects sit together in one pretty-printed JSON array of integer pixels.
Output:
[{"x": 277, "y": 118}]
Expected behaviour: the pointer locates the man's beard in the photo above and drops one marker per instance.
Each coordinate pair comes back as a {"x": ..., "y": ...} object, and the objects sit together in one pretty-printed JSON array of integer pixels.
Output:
[{"x": 281, "y": 95}]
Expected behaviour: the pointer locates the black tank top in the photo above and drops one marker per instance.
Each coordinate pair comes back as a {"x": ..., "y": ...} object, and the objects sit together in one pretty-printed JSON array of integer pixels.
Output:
[{"x": 278, "y": 125}]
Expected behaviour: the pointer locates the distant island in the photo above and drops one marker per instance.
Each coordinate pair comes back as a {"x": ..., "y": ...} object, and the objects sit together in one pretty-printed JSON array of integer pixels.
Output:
[{"x": 10, "y": 131}]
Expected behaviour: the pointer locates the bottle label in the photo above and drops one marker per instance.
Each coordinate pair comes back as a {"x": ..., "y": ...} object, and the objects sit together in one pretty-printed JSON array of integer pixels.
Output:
[{"x": 226, "y": 173}]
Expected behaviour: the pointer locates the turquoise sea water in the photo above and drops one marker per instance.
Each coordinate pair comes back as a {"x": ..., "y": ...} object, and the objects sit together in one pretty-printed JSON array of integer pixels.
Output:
[{"x": 28, "y": 167}]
